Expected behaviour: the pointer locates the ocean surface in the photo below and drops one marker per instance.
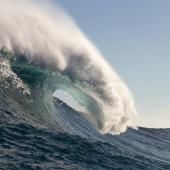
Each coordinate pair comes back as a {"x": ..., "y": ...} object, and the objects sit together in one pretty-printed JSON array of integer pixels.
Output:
[{"x": 40, "y": 131}]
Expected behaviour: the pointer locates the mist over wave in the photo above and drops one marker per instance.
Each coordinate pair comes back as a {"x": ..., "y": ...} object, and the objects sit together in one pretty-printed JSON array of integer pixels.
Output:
[{"x": 48, "y": 37}]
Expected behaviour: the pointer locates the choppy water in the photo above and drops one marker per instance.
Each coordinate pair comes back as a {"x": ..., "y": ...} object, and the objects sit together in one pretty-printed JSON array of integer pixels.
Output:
[{"x": 23, "y": 146}]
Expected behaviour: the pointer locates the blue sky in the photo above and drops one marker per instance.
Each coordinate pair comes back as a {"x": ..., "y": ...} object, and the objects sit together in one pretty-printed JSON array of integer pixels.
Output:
[{"x": 134, "y": 36}]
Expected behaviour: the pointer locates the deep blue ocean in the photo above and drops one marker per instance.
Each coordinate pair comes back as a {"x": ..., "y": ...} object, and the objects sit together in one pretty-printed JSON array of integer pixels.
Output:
[{"x": 39, "y": 131}]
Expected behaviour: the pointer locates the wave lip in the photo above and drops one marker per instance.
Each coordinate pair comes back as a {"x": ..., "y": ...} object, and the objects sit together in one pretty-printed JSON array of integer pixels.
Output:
[{"x": 53, "y": 41}]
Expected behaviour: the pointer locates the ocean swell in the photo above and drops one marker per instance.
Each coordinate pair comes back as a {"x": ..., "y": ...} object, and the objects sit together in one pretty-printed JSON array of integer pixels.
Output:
[{"x": 52, "y": 42}]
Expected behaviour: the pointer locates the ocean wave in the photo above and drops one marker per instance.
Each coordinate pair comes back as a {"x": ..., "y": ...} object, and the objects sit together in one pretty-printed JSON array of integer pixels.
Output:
[
  {"x": 52, "y": 41},
  {"x": 42, "y": 52}
]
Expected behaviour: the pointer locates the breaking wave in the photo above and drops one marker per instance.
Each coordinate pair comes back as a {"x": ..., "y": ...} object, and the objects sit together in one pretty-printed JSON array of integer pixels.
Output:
[{"x": 42, "y": 50}]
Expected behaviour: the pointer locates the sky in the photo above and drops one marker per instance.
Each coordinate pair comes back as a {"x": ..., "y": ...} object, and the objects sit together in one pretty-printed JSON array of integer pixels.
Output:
[{"x": 134, "y": 37}]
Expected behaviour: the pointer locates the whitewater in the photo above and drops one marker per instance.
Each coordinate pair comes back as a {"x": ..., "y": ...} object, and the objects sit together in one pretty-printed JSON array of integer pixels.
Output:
[{"x": 49, "y": 38}]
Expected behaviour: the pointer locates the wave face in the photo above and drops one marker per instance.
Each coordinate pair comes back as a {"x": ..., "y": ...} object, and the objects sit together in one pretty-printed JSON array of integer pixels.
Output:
[{"x": 61, "y": 57}]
